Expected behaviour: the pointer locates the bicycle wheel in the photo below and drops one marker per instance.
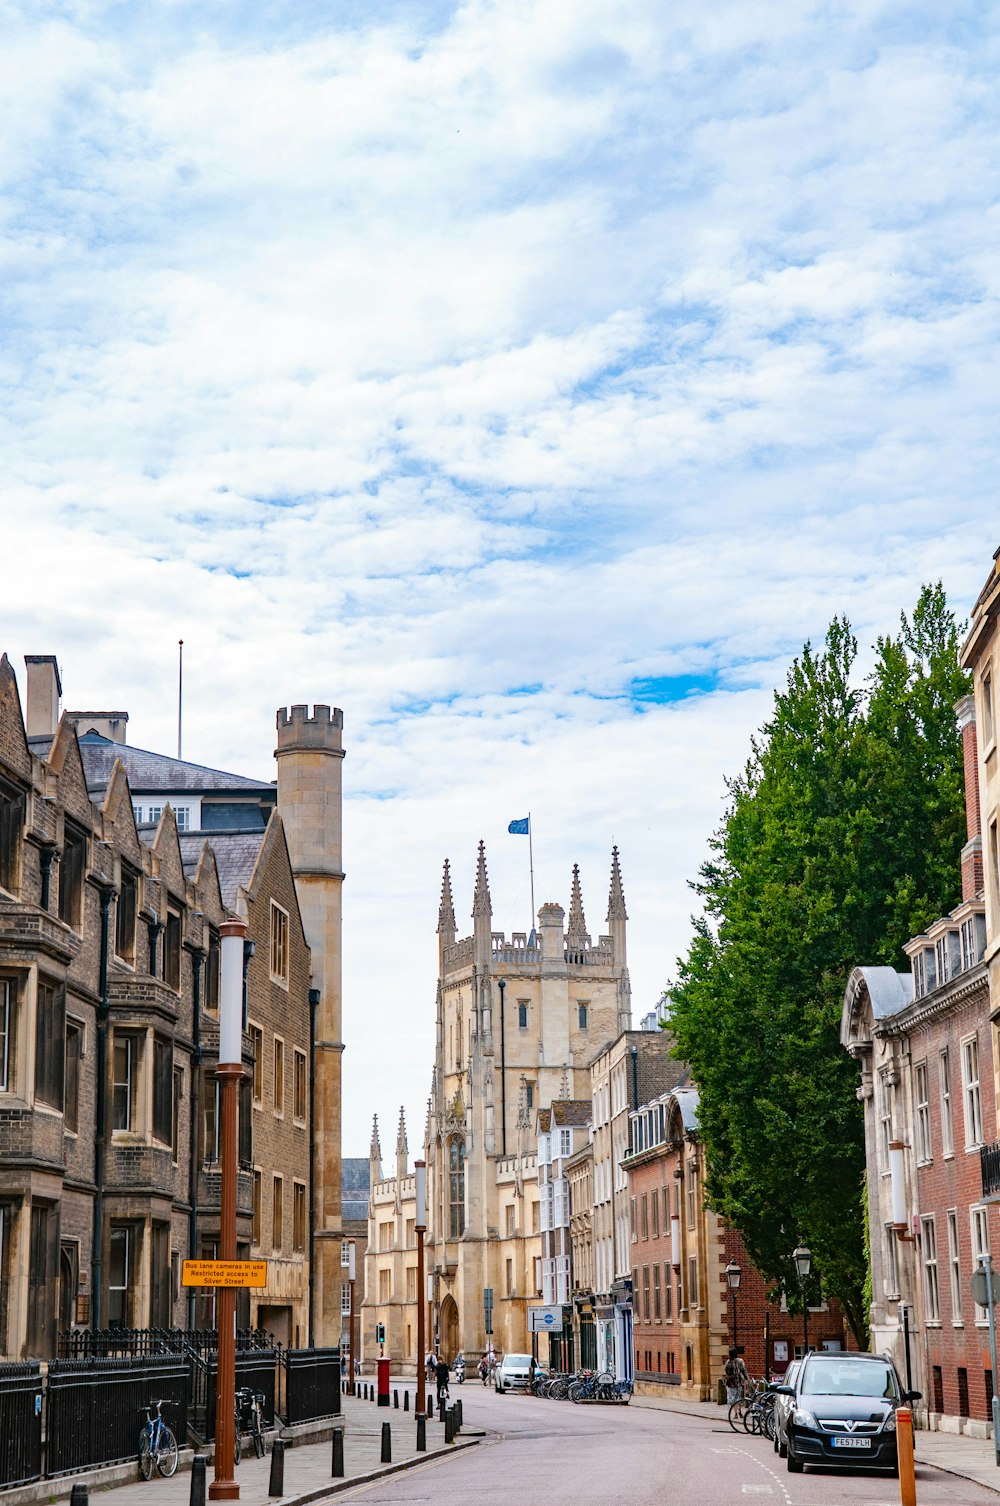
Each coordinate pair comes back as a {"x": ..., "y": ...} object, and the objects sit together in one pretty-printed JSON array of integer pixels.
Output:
[
  {"x": 237, "y": 1441},
  {"x": 258, "y": 1433},
  {"x": 166, "y": 1453},
  {"x": 575, "y": 1392},
  {"x": 736, "y": 1410},
  {"x": 145, "y": 1455},
  {"x": 751, "y": 1419}
]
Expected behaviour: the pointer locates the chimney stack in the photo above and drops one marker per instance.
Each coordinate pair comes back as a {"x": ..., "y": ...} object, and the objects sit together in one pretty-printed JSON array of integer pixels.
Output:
[{"x": 44, "y": 692}]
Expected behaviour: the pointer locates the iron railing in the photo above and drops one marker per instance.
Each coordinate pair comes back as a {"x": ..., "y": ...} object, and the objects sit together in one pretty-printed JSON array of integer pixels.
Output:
[
  {"x": 312, "y": 1384},
  {"x": 20, "y": 1424},
  {"x": 94, "y": 1407},
  {"x": 989, "y": 1162}
]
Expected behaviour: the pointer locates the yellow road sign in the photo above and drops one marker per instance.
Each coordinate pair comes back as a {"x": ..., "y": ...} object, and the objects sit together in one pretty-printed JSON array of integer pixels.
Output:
[{"x": 224, "y": 1273}]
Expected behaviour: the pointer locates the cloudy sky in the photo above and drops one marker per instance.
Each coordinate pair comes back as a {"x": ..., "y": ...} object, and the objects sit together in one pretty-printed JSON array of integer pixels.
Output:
[{"x": 528, "y": 379}]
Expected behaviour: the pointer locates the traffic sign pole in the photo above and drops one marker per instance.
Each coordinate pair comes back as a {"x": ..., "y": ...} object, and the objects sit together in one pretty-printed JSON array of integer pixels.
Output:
[{"x": 988, "y": 1271}]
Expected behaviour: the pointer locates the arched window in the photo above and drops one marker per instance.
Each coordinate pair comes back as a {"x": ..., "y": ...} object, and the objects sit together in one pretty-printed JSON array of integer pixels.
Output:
[{"x": 456, "y": 1188}]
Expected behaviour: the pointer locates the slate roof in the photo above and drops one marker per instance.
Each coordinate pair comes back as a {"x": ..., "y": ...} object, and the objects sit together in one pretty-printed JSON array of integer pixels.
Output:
[
  {"x": 355, "y": 1181},
  {"x": 235, "y": 855},
  {"x": 153, "y": 772}
]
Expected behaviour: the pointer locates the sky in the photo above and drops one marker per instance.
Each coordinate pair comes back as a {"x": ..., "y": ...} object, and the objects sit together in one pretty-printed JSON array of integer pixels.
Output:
[{"x": 529, "y": 380}]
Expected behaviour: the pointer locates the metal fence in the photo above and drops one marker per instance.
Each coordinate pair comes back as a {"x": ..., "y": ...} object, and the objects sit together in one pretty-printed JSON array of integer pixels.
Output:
[
  {"x": 94, "y": 1407},
  {"x": 989, "y": 1162},
  {"x": 312, "y": 1384},
  {"x": 20, "y": 1424}
]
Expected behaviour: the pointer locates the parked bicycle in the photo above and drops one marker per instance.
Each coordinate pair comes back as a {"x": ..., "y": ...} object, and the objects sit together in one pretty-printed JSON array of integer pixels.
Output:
[
  {"x": 250, "y": 1419},
  {"x": 753, "y": 1411},
  {"x": 157, "y": 1444}
]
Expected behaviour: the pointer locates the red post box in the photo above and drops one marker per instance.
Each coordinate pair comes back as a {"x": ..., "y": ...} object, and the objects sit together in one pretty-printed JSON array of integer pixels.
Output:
[{"x": 383, "y": 1382}]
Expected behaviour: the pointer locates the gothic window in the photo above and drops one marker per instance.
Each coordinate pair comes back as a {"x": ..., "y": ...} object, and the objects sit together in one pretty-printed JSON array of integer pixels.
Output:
[
  {"x": 522, "y": 1016},
  {"x": 11, "y": 820},
  {"x": 71, "y": 871},
  {"x": 456, "y": 1188},
  {"x": 125, "y": 915}
]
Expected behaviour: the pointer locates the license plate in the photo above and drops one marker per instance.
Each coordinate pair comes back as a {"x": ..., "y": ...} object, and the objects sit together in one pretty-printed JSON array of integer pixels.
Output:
[{"x": 852, "y": 1442}]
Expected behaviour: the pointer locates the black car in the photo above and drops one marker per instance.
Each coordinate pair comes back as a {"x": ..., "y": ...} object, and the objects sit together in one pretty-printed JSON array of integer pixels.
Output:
[{"x": 843, "y": 1411}]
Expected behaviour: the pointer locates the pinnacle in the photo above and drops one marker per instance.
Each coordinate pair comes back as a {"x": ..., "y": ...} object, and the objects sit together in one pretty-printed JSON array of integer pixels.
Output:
[
  {"x": 576, "y": 931},
  {"x": 446, "y": 909},
  {"x": 401, "y": 1144},
  {"x": 376, "y": 1149},
  {"x": 481, "y": 903},
  {"x": 616, "y": 898}
]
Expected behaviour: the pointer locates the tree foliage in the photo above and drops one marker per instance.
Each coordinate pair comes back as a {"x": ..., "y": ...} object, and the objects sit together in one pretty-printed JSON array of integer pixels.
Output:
[{"x": 840, "y": 841}]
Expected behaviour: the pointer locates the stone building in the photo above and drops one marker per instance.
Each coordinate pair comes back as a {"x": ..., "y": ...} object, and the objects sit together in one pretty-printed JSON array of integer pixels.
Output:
[
  {"x": 922, "y": 1041},
  {"x": 579, "y": 1174},
  {"x": 390, "y": 1262},
  {"x": 629, "y": 1070},
  {"x": 109, "y": 976},
  {"x": 516, "y": 1019}
]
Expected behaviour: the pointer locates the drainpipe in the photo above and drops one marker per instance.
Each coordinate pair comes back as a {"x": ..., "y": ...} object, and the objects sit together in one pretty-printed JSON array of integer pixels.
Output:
[
  {"x": 314, "y": 997},
  {"x": 634, "y": 1050},
  {"x": 101, "y": 1127},
  {"x": 194, "y": 1120},
  {"x": 502, "y": 984},
  {"x": 46, "y": 854}
]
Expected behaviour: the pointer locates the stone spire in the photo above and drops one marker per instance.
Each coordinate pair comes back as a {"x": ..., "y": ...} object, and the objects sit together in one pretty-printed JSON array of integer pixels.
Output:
[
  {"x": 481, "y": 903},
  {"x": 402, "y": 1149},
  {"x": 482, "y": 912},
  {"x": 576, "y": 929},
  {"x": 564, "y": 1084},
  {"x": 617, "y": 915},
  {"x": 375, "y": 1153},
  {"x": 446, "y": 909}
]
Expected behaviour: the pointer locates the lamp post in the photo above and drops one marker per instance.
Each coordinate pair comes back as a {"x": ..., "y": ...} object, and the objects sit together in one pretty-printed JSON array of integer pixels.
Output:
[
  {"x": 420, "y": 1223},
  {"x": 229, "y": 1071},
  {"x": 802, "y": 1257},
  {"x": 734, "y": 1275},
  {"x": 352, "y": 1271}
]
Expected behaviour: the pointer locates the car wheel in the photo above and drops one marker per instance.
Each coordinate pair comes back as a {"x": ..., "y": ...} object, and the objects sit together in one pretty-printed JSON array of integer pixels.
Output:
[
  {"x": 794, "y": 1465},
  {"x": 782, "y": 1449}
]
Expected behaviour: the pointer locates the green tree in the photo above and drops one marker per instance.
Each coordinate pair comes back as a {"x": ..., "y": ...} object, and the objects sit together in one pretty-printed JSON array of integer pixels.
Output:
[{"x": 840, "y": 841}]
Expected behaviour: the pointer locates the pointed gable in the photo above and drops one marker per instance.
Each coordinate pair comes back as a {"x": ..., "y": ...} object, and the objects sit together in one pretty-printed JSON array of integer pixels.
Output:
[
  {"x": 119, "y": 817},
  {"x": 167, "y": 847},
  {"x": 14, "y": 752},
  {"x": 65, "y": 762}
]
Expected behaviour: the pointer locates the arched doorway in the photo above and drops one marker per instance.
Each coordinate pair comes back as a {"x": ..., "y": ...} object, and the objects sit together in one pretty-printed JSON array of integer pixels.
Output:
[
  {"x": 450, "y": 1341},
  {"x": 67, "y": 1288}
]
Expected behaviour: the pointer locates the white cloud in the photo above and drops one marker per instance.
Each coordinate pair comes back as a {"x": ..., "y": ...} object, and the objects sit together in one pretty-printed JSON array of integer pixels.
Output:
[{"x": 461, "y": 364}]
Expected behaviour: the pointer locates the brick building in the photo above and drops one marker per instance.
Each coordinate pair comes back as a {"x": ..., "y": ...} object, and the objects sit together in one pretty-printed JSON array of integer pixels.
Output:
[
  {"x": 922, "y": 1040},
  {"x": 684, "y": 1316},
  {"x": 109, "y": 978}
]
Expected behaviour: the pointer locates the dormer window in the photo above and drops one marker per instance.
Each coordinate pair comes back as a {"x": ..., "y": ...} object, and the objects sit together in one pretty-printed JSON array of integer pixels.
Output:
[
  {"x": 973, "y": 940},
  {"x": 947, "y": 957}
]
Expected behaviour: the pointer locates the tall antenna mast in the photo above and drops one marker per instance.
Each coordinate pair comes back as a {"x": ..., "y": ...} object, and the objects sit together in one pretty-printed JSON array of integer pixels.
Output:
[{"x": 180, "y": 691}]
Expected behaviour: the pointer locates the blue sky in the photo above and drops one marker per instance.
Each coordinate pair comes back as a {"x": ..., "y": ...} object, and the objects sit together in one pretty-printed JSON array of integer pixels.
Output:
[{"x": 528, "y": 379}]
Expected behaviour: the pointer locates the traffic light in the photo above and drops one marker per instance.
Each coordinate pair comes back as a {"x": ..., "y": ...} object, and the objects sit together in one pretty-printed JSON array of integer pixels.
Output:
[{"x": 380, "y": 1333}]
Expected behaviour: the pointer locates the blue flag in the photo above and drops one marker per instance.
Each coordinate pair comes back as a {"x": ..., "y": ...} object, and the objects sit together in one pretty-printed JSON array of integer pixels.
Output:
[{"x": 519, "y": 828}]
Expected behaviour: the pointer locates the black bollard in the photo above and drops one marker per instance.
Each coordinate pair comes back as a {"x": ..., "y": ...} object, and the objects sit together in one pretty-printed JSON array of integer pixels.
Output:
[
  {"x": 449, "y": 1426},
  {"x": 386, "y": 1443},
  {"x": 338, "y": 1453},
  {"x": 198, "y": 1480},
  {"x": 441, "y": 1409},
  {"x": 78, "y": 1496},
  {"x": 276, "y": 1484},
  {"x": 457, "y": 1409},
  {"x": 421, "y": 1433},
  {"x": 406, "y": 1401},
  {"x": 395, "y": 1400}
]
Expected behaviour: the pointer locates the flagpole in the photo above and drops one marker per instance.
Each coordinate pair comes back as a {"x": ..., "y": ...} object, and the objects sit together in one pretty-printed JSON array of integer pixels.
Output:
[{"x": 531, "y": 869}]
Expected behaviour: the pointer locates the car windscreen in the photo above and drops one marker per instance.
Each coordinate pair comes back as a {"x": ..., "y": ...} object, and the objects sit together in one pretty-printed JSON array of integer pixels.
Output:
[
  {"x": 517, "y": 1359},
  {"x": 823, "y": 1377}
]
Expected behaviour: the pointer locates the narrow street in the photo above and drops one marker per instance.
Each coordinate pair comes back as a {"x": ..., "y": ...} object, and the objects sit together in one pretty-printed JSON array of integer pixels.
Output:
[{"x": 565, "y": 1455}]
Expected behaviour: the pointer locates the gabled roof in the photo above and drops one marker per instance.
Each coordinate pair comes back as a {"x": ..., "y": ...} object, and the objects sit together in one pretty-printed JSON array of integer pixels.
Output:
[
  {"x": 235, "y": 856},
  {"x": 887, "y": 993},
  {"x": 571, "y": 1112}
]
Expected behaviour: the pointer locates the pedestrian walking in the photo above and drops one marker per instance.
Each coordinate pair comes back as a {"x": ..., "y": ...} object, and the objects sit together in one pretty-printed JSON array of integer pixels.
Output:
[{"x": 736, "y": 1377}]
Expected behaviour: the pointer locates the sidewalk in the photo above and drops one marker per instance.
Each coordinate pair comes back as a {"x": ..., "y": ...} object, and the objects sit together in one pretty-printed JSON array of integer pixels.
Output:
[
  {"x": 308, "y": 1465},
  {"x": 968, "y": 1458}
]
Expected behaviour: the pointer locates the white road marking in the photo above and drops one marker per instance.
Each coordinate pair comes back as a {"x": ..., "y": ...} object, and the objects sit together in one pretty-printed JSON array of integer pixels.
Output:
[{"x": 757, "y": 1490}]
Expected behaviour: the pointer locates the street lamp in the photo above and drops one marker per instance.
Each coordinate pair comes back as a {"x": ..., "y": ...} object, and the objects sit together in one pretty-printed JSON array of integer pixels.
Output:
[
  {"x": 734, "y": 1275},
  {"x": 420, "y": 1224},
  {"x": 228, "y": 1072},
  {"x": 802, "y": 1257}
]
